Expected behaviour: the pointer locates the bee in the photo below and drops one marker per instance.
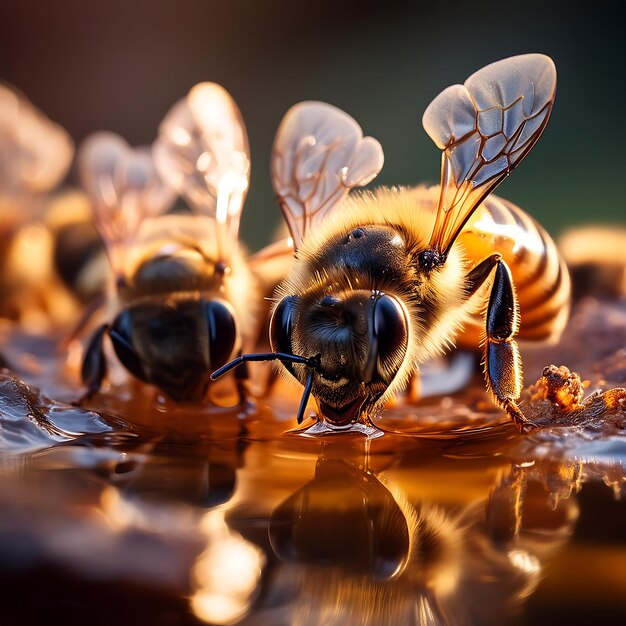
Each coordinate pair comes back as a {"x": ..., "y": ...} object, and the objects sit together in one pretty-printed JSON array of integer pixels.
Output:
[
  {"x": 596, "y": 258},
  {"x": 385, "y": 280},
  {"x": 35, "y": 154},
  {"x": 183, "y": 297}
]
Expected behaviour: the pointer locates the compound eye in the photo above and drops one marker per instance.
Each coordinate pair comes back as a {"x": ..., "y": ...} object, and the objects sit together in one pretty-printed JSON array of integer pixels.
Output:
[
  {"x": 222, "y": 332},
  {"x": 281, "y": 325},
  {"x": 121, "y": 334},
  {"x": 391, "y": 335}
]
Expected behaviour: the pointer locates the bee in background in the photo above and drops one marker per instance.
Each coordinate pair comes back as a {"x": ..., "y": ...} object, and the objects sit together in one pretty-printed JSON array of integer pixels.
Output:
[
  {"x": 35, "y": 155},
  {"x": 78, "y": 254},
  {"x": 183, "y": 297},
  {"x": 596, "y": 258},
  {"x": 385, "y": 280}
]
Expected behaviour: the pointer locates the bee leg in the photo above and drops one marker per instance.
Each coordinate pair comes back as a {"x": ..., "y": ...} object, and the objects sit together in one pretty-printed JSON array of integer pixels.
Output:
[
  {"x": 94, "y": 367},
  {"x": 241, "y": 378},
  {"x": 477, "y": 277},
  {"x": 94, "y": 305},
  {"x": 503, "y": 368}
]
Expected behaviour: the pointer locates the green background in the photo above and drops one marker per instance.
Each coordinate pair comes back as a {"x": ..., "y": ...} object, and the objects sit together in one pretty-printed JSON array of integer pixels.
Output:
[{"x": 119, "y": 65}]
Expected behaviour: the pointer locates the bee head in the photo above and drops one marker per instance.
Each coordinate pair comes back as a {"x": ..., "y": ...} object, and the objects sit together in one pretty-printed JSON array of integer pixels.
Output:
[
  {"x": 361, "y": 338},
  {"x": 175, "y": 346}
]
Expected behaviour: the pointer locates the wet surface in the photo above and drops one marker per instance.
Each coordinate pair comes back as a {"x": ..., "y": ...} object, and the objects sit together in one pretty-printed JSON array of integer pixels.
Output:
[{"x": 133, "y": 510}]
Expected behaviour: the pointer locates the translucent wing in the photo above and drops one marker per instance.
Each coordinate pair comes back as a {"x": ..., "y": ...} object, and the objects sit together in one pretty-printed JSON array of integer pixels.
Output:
[
  {"x": 124, "y": 188},
  {"x": 485, "y": 127},
  {"x": 35, "y": 153},
  {"x": 202, "y": 152},
  {"x": 319, "y": 155}
]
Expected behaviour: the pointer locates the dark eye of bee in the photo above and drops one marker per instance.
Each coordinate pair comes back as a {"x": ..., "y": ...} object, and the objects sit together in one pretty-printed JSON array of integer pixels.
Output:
[
  {"x": 389, "y": 329},
  {"x": 222, "y": 332},
  {"x": 122, "y": 338},
  {"x": 281, "y": 325}
]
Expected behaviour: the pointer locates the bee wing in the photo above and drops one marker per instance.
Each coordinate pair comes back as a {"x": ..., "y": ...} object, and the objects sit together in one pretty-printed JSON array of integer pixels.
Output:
[
  {"x": 485, "y": 127},
  {"x": 202, "y": 152},
  {"x": 123, "y": 187},
  {"x": 319, "y": 154},
  {"x": 35, "y": 153}
]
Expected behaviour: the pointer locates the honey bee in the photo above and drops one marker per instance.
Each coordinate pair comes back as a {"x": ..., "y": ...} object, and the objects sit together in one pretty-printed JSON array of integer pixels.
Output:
[
  {"x": 35, "y": 154},
  {"x": 385, "y": 280},
  {"x": 596, "y": 258},
  {"x": 183, "y": 297}
]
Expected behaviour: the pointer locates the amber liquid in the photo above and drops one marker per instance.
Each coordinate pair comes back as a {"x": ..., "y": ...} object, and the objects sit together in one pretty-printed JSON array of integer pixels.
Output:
[{"x": 133, "y": 510}]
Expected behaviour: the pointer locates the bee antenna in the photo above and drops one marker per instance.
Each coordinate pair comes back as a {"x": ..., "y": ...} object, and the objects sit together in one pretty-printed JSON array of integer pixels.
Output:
[
  {"x": 312, "y": 363},
  {"x": 305, "y": 394}
]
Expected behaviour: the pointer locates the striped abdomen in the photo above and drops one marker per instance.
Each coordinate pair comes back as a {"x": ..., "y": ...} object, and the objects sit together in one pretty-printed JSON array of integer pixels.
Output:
[{"x": 539, "y": 272}]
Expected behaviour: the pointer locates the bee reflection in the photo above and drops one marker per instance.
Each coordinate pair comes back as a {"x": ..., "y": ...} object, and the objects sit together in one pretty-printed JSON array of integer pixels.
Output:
[
  {"x": 152, "y": 472},
  {"x": 345, "y": 517},
  {"x": 352, "y": 549},
  {"x": 205, "y": 477}
]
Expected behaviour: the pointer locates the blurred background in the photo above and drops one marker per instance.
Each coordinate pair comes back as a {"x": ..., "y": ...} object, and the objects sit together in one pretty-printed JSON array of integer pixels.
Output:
[{"x": 119, "y": 65}]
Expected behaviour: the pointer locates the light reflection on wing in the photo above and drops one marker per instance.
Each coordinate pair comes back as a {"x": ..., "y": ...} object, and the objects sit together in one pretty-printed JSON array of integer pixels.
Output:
[
  {"x": 123, "y": 187},
  {"x": 35, "y": 153},
  {"x": 319, "y": 155},
  {"x": 202, "y": 152},
  {"x": 485, "y": 127}
]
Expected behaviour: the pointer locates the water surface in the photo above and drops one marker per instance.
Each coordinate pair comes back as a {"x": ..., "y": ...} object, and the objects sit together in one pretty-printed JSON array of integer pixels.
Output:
[{"x": 136, "y": 511}]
